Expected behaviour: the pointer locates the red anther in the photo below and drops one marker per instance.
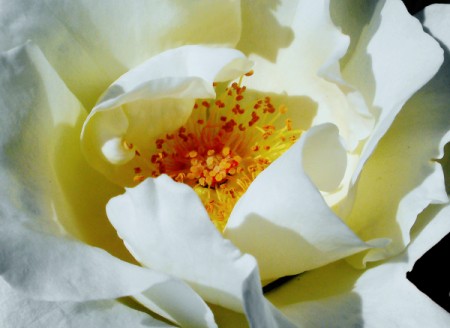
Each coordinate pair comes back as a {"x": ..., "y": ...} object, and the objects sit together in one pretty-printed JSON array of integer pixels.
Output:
[
  {"x": 254, "y": 119},
  {"x": 229, "y": 126},
  {"x": 237, "y": 109},
  {"x": 219, "y": 104},
  {"x": 154, "y": 159},
  {"x": 159, "y": 143}
]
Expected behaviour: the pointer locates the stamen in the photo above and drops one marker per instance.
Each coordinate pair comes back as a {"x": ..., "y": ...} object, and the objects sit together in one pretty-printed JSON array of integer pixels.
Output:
[{"x": 224, "y": 145}]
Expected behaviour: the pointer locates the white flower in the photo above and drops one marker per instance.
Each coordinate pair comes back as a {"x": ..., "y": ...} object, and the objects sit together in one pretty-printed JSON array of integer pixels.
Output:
[{"x": 375, "y": 117}]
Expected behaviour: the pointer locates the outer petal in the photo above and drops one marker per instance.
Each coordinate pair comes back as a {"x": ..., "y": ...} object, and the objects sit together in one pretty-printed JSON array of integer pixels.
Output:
[
  {"x": 49, "y": 268},
  {"x": 43, "y": 191},
  {"x": 165, "y": 226},
  {"x": 340, "y": 296},
  {"x": 18, "y": 311},
  {"x": 391, "y": 60},
  {"x": 283, "y": 220},
  {"x": 162, "y": 90},
  {"x": 401, "y": 178},
  {"x": 91, "y": 44},
  {"x": 305, "y": 67}
]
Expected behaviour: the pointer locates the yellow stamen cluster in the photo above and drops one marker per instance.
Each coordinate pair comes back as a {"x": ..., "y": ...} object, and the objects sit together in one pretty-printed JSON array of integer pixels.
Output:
[{"x": 224, "y": 145}]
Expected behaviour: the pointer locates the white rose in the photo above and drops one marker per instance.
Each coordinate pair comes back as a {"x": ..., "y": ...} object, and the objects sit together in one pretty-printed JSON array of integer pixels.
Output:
[{"x": 348, "y": 191}]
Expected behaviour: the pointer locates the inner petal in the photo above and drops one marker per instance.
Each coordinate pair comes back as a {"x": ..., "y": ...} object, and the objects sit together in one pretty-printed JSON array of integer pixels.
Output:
[{"x": 223, "y": 146}]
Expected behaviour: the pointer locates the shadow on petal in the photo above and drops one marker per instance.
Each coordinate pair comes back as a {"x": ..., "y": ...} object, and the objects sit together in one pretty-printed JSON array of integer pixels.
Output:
[
  {"x": 261, "y": 32},
  {"x": 84, "y": 192}
]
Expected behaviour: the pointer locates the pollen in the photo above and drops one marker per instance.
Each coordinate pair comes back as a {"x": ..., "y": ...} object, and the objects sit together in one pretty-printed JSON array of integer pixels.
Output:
[{"x": 222, "y": 148}]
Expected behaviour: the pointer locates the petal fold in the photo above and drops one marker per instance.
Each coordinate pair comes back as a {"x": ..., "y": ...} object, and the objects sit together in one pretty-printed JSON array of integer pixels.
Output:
[
  {"x": 162, "y": 89},
  {"x": 19, "y": 311},
  {"x": 283, "y": 220},
  {"x": 165, "y": 226},
  {"x": 48, "y": 193},
  {"x": 299, "y": 56},
  {"x": 338, "y": 295},
  {"x": 402, "y": 176},
  {"x": 393, "y": 59}
]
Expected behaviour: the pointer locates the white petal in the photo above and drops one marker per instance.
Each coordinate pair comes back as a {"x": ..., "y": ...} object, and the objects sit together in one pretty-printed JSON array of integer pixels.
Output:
[
  {"x": 306, "y": 66},
  {"x": 325, "y": 160},
  {"x": 394, "y": 57},
  {"x": 435, "y": 20},
  {"x": 18, "y": 311},
  {"x": 47, "y": 191},
  {"x": 165, "y": 226},
  {"x": 33, "y": 182},
  {"x": 352, "y": 16},
  {"x": 283, "y": 220},
  {"x": 54, "y": 269},
  {"x": 340, "y": 296},
  {"x": 401, "y": 178},
  {"x": 43, "y": 172},
  {"x": 90, "y": 45},
  {"x": 163, "y": 90}
]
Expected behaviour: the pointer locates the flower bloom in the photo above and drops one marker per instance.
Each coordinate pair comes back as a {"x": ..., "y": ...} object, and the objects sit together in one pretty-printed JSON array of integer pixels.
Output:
[{"x": 253, "y": 142}]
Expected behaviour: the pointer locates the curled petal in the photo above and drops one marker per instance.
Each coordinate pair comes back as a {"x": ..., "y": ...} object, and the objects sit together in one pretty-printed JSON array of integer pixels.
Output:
[
  {"x": 47, "y": 192},
  {"x": 338, "y": 295},
  {"x": 299, "y": 55},
  {"x": 402, "y": 176},
  {"x": 165, "y": 226},
  {"x": 392, "y": 59},
  {"x": 283, "y": 220},
  {"x": 19, "y": 311},
  {"x": 163, "y": 90}
]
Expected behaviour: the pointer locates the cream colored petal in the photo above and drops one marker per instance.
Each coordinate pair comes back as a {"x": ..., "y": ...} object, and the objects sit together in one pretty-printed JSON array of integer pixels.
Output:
[
  {"x": 402, "y": 178},
  {"x": 165, "y": 226},
  {"x": 48, "y": 194},
  {"x": 43, "y": 171},
  {"x": 151, "y": 100},
  {"x": 352, "y": 16},
  {"x": 283, "y": 220},
  {"x": 392, "y": 59},
  {"x": 92, "y": 44},
  {"x": 19, "y": 311},
  {"x": 48, "y": 268},
  {"x": 297, "y": 48},
  {"x": 340, "y": 296}
]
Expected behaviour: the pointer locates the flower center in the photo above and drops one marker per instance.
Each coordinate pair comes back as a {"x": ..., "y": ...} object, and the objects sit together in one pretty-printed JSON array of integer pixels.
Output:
[{"x": 221, "y": 149}]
